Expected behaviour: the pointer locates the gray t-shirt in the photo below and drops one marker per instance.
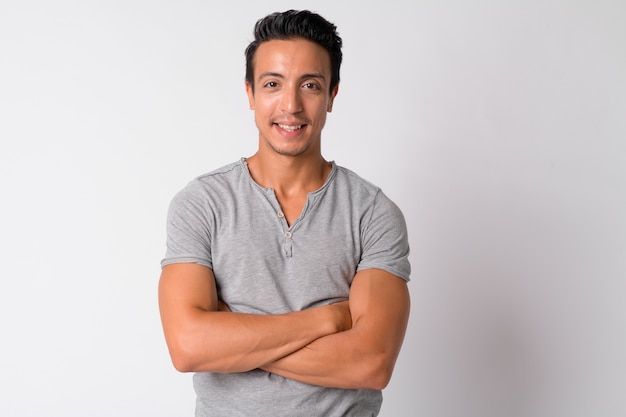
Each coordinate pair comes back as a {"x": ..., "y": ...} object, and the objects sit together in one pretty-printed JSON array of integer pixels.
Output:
[{"x": 227, "y": 222}]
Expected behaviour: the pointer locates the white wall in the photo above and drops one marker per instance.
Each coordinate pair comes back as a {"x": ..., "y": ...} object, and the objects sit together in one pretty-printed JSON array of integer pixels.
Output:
[{"x": 498, "y": 127}]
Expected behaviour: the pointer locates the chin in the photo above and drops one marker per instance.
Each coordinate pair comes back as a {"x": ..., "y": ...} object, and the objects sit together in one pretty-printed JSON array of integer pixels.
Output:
[{"x": 290, "y": 150}]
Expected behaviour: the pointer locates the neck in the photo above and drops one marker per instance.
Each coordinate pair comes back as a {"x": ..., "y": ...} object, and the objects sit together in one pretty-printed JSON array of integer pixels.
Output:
[{"x": 289, "y": 174}]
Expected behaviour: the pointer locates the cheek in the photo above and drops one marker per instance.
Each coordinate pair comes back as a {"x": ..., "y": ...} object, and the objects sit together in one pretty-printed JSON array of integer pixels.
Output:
[
  {"x": 263, "y": 114},
  {"x": 265, "y": 105},
  {"x": 322, "y": 113},
  {"x": 259, "y": 109}
]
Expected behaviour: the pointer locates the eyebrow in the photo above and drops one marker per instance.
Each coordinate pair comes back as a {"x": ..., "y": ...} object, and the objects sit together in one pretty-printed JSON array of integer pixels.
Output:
[{"x": 302, "y": 77}]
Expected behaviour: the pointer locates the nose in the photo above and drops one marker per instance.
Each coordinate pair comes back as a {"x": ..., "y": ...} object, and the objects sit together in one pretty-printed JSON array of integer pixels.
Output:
[{"x": 291, "y": 101}]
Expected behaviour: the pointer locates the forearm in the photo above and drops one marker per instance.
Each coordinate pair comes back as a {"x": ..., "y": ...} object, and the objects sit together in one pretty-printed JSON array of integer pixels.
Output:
[
  {"x": 201, "y": 336},
  {"x": 341, "y": 360},
  {"x": 216, "y": 341},
  {"x": 363, "y": 356}
]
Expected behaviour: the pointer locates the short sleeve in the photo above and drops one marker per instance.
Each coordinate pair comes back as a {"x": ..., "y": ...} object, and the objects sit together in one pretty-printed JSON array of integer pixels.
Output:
[
  {"x": 188, "y": 229},
  {"x": 385, "y": 239}
]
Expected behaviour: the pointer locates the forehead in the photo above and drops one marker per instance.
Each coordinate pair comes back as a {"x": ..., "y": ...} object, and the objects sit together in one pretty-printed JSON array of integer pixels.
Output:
[{"x": 291, "y": 56}]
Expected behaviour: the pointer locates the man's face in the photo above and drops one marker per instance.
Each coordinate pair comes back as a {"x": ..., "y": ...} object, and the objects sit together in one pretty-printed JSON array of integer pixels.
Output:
[{"x": 291, "y": 95}]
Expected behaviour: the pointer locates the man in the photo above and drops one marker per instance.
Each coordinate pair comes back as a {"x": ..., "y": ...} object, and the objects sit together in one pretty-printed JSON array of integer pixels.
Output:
[{"x": 284, "y": 283}]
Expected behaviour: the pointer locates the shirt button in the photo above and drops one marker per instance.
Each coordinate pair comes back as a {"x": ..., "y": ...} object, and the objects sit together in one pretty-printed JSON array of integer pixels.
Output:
[
  {"x": 280, "y": 214},
  {"x": 288, "y": 235}
]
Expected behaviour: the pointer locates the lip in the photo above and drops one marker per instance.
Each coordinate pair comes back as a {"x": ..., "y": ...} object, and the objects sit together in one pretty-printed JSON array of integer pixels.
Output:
[{"x": 287, "y": 132}]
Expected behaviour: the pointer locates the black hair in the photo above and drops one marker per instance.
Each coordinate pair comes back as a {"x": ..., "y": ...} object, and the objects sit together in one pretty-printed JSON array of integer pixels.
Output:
[{"x": 296, "y": 24}]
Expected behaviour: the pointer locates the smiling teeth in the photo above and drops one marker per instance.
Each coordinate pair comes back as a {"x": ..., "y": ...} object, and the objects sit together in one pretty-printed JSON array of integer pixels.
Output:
[{"x": 289, "y": 128}]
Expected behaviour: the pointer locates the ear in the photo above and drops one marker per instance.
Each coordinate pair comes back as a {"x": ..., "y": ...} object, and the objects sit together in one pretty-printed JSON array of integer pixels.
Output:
[
  {"x": 250, "y": 93},
  {"x": 333, "y": 94}
]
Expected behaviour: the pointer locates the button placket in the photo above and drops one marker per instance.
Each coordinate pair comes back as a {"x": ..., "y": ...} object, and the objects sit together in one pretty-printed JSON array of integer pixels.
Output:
[{"x": 288, "y": 244}]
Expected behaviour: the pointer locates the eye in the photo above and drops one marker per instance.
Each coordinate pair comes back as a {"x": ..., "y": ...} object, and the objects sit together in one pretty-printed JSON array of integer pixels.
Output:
[
  {"x": 311, "y": 86},
  {"x": 271, "y": 84}
]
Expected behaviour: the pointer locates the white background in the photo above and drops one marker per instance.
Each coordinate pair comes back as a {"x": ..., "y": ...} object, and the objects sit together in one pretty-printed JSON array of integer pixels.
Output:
[{"x": 499, "y": 128}]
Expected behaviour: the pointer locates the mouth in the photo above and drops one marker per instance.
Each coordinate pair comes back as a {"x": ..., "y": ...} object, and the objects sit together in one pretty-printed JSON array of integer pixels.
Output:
[{"x": 289, "y": 128}]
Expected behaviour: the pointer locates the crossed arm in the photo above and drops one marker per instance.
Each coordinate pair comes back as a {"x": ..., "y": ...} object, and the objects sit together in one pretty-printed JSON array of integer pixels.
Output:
[{"x": 352, "y": 344}]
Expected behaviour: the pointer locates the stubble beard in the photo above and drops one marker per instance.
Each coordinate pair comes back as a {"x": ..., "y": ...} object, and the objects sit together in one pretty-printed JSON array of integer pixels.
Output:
[{"x": 288, "y": 152}]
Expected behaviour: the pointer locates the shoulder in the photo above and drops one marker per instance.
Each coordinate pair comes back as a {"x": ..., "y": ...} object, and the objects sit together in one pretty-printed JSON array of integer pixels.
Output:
[
  {"x": 212, "y": 183},
  {"x": 228, "y": 174},
  {"x": 357, "y": 186},
  {"x": 347, "y": 175},
  {"x": 369, "y": 197},
  {"x": 354, "y": 183}
]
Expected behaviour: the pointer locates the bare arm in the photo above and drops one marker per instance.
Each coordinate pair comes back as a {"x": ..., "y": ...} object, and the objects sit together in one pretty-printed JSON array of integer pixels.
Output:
[
  {"x": 200, "y": 338},
  {"x": 364, "y": 356}
]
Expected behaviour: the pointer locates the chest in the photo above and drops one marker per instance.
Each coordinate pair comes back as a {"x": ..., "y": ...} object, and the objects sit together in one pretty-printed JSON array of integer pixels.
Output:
[{"x": 265, "y": 264}]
